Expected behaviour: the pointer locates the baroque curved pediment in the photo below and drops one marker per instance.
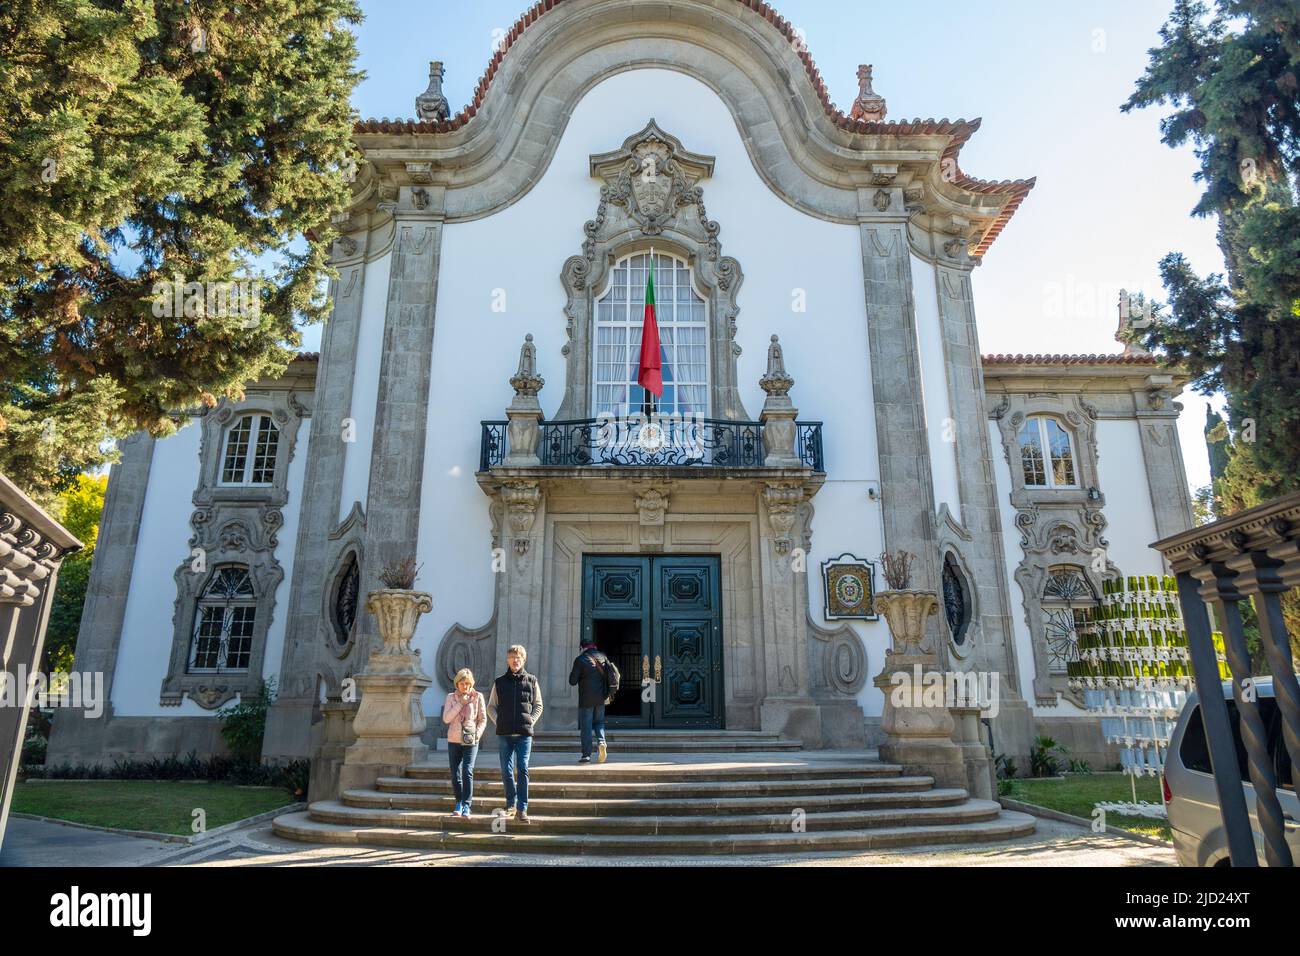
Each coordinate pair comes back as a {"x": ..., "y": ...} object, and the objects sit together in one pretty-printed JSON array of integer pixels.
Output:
[{"x": 815, "y": 158}]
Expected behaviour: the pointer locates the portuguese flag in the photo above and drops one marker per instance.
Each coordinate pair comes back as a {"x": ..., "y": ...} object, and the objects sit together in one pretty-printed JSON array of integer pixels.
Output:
[{"x": 650, "y": 375}]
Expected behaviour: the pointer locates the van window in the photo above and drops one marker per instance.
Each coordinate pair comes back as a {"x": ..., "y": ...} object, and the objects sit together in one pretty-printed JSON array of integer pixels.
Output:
[{"x": 1195, "y": 751}]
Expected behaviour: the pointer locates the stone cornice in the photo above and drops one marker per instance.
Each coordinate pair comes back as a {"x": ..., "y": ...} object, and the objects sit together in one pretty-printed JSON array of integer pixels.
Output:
[
  {"x": 32, "y": 544},
  {"x": 1087, "y": 374},
  {"x": 812, "y": 155}
]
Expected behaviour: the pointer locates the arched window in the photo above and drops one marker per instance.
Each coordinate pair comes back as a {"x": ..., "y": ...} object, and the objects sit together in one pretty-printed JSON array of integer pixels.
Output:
[
  {"x": 1046, "y": 453},
  {"x": 248, "y": 455},
  {"x": 1066, "y": 598},
  {"x": 682, "y": 317},
  {"x": 223, "y": 626}
]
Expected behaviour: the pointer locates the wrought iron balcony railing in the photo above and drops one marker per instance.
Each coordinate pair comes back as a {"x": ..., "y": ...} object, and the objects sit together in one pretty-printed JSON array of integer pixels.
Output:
[
  {"x": 1249, "y": 557},
  {"x": 667, "y": 441}
]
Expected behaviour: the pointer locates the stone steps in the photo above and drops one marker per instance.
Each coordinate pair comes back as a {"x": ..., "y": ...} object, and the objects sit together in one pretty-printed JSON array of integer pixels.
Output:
[
  {"x": 670, "y": 741},
  {"x": 967, "y": 811},
  {"x": 644, "y": 804},
  {"x": 441, "y": 802},
  {"x": 490, "y": 785},
  {"x": 1005, "y": 826},
  {"x": 678, "y": 773}
]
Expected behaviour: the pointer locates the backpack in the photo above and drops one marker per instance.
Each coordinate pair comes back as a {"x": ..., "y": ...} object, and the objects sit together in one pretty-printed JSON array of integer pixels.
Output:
[{"x": 612, "y": 678}]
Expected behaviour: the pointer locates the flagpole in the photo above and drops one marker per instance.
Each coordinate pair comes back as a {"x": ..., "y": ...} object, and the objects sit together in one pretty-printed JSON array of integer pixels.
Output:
[{"x": 650, "y": 396}]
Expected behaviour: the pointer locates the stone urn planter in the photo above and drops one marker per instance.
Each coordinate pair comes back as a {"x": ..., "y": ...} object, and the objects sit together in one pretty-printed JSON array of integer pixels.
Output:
[
  {"x": 389, "y": 721},
  {"x": 905, "y": 612},
  {"x": 918, "y": 733},
  {"x": 396, "y": 612}
]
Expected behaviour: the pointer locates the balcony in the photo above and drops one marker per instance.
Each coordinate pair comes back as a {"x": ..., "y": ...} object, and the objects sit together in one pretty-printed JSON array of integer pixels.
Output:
[{"x": 646, "y": 442}]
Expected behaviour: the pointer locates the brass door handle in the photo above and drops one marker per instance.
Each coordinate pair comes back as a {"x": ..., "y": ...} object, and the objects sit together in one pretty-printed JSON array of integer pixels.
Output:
[
  {"x": 659, "y": 670},
  {"x": 645, "y": 666}
]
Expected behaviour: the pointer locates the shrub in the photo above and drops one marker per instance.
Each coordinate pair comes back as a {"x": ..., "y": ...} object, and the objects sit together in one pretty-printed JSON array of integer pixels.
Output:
[
  {"x": 1043, "y": 758},
  {"x": 244, "y": 724}
]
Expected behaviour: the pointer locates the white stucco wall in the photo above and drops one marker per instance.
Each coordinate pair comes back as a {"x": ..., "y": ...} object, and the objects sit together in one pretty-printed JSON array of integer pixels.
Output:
[
  {"x": 365, "y": 385},
  {"x": 146, "y": 642},
  {"x": 522, "y": 249},
  {"x": 1131, "y": 524}
]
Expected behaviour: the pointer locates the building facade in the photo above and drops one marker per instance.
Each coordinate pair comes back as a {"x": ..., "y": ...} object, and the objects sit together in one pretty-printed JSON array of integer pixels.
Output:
[{"x": 475, "y": 404}]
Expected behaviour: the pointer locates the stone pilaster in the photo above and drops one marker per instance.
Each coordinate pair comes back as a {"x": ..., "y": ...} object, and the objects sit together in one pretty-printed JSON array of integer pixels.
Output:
[
  {"x": 402, "y": 410},
  {"x": 288, "y": 723},
  {"x": 1162, "y": 455},
  {"x": 906, "y": 483},
  {"x": 520, "y": 602},
  {"x": 985, "y": 555},
  {"x": 74, "y": 738}
]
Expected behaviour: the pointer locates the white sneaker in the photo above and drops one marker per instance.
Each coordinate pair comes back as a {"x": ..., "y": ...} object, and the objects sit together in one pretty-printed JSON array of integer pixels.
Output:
[{"x": 601, "y": 752}]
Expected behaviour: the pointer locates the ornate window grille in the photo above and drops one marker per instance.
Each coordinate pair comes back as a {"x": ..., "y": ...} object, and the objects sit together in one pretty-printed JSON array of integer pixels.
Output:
[
  {"x": 347, "y": 592},
  {"x": 249, "y": 454},
  {"x": 682, "y": 317},
  {"x": 956, "y": 601},
  {"x": 1066, "y": 598},
  {"x": 223, "y": 626},
  {"x": 1046, "y": 453}
]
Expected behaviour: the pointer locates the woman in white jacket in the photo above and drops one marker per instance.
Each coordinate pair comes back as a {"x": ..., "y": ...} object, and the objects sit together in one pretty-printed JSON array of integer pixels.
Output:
[{"x": 465, "y": 714}]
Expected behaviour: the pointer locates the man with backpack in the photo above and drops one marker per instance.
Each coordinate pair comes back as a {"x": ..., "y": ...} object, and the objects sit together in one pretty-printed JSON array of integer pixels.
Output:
[{"x": 597, "y": 680}]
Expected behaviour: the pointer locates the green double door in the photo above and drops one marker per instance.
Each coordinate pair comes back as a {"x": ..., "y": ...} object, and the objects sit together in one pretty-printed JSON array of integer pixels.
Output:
[{"x": 660, "y": 620}]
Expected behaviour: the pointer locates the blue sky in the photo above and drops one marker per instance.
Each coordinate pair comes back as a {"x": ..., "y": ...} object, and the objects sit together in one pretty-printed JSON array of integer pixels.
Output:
[{"x": 1046, "y": 78}]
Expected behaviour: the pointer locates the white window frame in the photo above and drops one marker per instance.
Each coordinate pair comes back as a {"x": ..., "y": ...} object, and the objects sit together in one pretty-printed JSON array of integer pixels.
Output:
[
  {"x": 1045, "y": 446},
  {"x": 260, "y": 420},
  {"x": 666, "y": 315}
]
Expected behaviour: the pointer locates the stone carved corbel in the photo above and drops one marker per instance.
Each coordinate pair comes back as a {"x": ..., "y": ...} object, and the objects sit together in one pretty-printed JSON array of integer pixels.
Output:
[
  {"x": 652, "y": 509},
  {"x": 782, "y": 499},
  {"x": 521, "y": 499}
]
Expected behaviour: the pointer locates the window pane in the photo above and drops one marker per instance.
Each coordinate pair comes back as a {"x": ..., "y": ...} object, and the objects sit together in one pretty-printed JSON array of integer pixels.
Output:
[
  {"x": 232, "y": 468},
  {"x": 1031, "y": 454},
  {"x": 268, "y": 440},
  {"x": 1062, "y": 457},
  {"x": 681, "y": 317}
]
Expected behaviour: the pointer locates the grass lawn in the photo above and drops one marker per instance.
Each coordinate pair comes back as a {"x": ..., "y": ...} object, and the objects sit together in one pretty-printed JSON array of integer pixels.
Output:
[
  {"x": 162, "y": 806},
  {"x": 1078, "y": 792}
]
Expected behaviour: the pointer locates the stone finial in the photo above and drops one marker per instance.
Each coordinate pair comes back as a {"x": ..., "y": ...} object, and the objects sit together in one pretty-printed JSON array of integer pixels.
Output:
[
  {"x": 776, "y": 381},
  {"x": 431, "y": 106},
  {"x": 1133, "y": 315},
  {"x": 526, "y": 382},
  {"x": 779, "y": 414},
  {"x": 524, "y": 414},
  {"x": 869, "y": 105}
]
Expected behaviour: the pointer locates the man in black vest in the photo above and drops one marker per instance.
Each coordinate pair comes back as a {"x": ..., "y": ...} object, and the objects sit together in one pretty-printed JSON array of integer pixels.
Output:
[{"x": 515, "y": 707}]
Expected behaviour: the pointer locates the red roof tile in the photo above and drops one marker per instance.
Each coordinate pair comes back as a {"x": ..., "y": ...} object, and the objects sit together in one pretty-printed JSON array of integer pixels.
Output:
[{"x": 1119, "y": 359}]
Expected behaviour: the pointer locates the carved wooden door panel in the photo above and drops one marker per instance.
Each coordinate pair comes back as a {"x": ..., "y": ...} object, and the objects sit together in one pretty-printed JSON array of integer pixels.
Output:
[
  {"x": 658, "y": 618},
  {"x": 686, "y": 642}
]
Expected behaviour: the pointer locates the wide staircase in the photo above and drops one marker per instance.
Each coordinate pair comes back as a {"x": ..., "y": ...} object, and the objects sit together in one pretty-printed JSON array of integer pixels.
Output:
[{"x": 720, "y": 792}]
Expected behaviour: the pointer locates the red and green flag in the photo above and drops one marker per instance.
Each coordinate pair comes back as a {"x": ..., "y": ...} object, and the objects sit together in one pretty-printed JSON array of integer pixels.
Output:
[{"x": 650, "y": 373}]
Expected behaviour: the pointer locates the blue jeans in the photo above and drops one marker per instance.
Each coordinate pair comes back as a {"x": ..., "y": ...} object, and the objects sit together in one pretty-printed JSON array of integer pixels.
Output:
[
  {"x": 515, "y": 751},
  {"x": 591, "y": 718},
  {"x": 462, "y": 760}
]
